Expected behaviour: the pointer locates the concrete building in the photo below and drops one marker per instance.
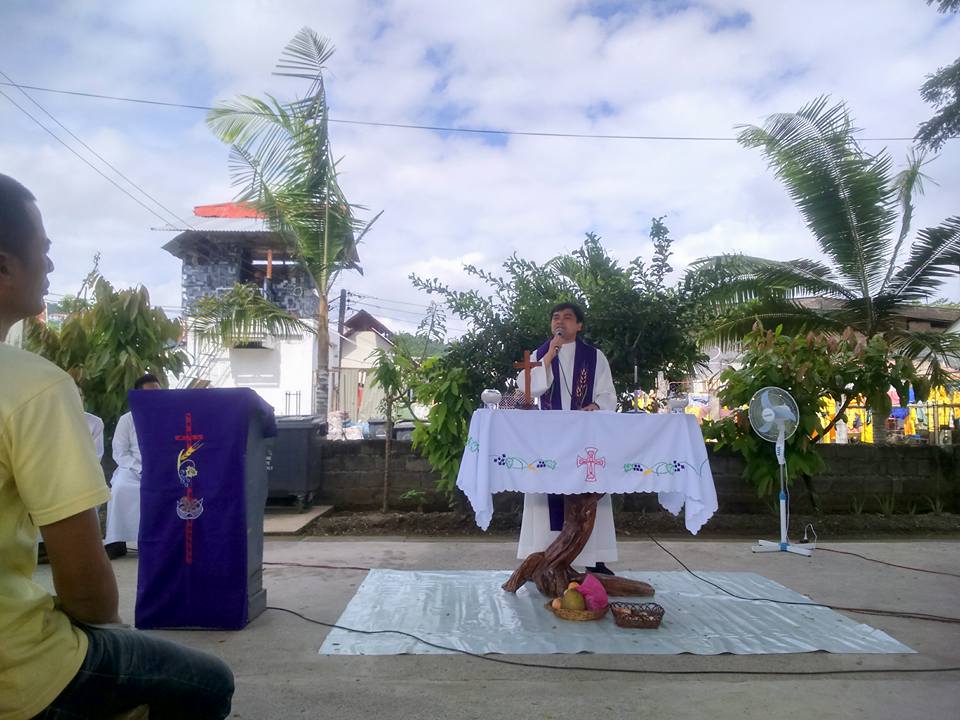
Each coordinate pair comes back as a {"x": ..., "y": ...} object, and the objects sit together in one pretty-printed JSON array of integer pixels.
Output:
[
  {"x": 362, "y": 335},
  {"x": 230, "y": 243}
]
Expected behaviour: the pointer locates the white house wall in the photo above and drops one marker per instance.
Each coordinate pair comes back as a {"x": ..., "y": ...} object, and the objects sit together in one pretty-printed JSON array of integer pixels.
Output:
[
  {"x": 281, "y": 373},
  {"x": 358, "y": 349}
]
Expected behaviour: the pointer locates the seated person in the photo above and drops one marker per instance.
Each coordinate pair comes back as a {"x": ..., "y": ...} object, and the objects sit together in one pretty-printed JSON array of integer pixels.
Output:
[{"x": 56, "y": 657}]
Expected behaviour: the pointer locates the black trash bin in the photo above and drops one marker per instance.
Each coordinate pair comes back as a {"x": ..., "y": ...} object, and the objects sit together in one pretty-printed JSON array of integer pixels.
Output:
[{"x": 294, "y": 476}]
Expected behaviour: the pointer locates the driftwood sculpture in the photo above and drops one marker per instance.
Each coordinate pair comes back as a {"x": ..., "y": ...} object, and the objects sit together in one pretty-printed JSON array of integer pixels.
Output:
[{"x": 550, "y": 570}]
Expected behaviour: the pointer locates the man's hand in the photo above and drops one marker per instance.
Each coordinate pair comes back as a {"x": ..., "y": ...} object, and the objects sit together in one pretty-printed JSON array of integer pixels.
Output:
[
  {"x": 591, "y": 407},
  {"x": 552, "y": 350},
  {"x": 82, "y": 575}
]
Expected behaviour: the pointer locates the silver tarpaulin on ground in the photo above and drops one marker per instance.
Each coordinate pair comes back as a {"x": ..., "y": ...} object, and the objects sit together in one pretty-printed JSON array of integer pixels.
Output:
[{"x": 468, "y": 611}]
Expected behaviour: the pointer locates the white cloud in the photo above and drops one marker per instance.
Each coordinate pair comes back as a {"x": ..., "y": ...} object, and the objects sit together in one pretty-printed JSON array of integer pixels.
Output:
[{"x": 446, "y": 198}]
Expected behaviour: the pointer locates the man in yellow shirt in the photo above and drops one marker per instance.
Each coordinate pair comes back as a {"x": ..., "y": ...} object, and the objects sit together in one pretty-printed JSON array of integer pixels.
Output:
[{"x": 56, "y": 659}]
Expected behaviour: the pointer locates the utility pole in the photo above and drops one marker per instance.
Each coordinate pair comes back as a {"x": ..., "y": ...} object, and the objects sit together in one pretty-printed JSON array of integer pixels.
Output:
[{"x": 341, "y": 317}]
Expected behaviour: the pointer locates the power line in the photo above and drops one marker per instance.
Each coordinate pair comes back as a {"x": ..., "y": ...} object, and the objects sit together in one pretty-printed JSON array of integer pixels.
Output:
[
  {"x": 417, "y": 313},
  {"x": 437, "y": 128},
  {"x": 409, "y": 321},
  {"x": 82, "y": 158},
  {"x": 395, "y": 302},
  {"x": 96, "y": 154}
]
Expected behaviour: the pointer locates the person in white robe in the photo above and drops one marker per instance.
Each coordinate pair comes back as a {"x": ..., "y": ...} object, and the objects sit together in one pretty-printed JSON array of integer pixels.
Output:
[
  {"x": 123, "y": 508},
  {"x": 566, "y": 322},
  {"x": 95, "y": 425}
]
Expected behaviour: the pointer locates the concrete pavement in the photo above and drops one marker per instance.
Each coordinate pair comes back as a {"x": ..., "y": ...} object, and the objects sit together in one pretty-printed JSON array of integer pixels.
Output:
[{"x": 280, "y": 675}]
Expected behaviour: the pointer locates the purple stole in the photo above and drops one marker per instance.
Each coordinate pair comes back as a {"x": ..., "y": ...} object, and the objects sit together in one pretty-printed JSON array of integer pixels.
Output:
[{"x": 581, "y": 394}]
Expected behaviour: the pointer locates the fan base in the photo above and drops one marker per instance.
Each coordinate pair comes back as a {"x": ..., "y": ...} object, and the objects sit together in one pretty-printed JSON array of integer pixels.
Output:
[{"x": 804, "y": 549}]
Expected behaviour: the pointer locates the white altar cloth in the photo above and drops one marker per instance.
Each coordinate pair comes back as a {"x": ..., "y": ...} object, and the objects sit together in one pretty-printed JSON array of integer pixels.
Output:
[{"x": 571, "y": 452}]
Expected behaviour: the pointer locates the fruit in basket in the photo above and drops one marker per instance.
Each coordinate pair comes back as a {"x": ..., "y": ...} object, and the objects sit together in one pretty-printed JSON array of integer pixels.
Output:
[
  {"x": 556, "y": 604},
  {"x": 573, "y": 600},
  {"x": 573, "y": 585}
]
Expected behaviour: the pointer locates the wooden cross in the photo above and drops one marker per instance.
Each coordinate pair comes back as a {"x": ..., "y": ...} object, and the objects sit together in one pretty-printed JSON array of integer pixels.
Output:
[{"x": 527, "y": 365}]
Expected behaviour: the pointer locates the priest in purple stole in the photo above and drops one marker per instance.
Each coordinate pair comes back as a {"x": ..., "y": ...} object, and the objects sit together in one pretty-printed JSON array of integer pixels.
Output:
[{"x": 574, "y": 376}]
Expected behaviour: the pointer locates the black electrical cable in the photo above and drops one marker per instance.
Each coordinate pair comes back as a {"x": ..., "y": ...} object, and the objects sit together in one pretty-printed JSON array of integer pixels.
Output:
[
  {"x": 97, "y": 170},
  {"x": 865, "y": 611},
  {"x": 629, "y": 671},
  {"x": 438, "y": 128},
  {"x": 98, "y": 155},
  {"x": 322, "y": 567},
  {"x": 884, "y": 562}
]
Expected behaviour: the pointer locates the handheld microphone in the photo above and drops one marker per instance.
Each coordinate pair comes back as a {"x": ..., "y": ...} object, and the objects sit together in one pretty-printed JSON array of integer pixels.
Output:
[{"x": 559, "y": 332}]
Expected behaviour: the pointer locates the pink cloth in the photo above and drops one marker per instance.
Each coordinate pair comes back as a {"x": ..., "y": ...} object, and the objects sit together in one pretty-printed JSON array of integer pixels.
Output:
[{"x": 594, "y": 594}]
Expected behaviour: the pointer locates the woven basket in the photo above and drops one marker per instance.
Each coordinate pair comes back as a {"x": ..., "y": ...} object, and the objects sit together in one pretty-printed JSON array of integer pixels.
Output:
[
  {"x": 637, "y": 615},
  {"x": 577, "y": 615}
]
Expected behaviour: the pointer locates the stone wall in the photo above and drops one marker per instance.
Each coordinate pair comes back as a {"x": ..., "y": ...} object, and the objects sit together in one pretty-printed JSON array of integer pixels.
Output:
[
  {"x": 913, "y": 477},
  {"x": 201, "y": 277},
  {"x": 352, "y": 473},
  {"x": 224, "y": 268}
]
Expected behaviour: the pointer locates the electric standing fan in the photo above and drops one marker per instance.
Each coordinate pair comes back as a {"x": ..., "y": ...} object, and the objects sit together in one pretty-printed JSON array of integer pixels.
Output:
[{"x": 773, "y": 416}]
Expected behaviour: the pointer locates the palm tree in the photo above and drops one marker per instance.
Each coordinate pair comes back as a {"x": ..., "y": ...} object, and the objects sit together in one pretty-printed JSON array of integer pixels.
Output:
[
  {"x": 859, "y": 212},
  {"x": 281, "y": 159}
]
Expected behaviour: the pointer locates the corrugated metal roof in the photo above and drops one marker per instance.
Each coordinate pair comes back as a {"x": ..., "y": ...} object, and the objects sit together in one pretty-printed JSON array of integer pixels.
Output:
[{"x": 221, "y": 224}]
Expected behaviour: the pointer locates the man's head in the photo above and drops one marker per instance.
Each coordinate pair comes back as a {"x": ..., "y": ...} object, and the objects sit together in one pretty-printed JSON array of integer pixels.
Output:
[
  {"x": 147, "y": 382},
  {"x": 24, "y": 264},
  {"x": 567, "y": 317}
]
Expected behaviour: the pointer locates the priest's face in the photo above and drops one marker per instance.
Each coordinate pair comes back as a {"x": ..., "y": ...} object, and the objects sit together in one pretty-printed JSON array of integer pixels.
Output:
[
  {"x": 23, "y": 272},
  {"x": 566, "y": 320}
]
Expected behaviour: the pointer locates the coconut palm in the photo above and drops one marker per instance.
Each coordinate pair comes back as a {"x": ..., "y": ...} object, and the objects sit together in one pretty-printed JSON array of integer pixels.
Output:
[
  {"x": 860, "y": 213},
  {"x": 281, "y": 160}
]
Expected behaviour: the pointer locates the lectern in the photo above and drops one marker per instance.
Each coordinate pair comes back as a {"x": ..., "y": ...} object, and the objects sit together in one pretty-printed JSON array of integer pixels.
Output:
[{"x": 202, "y": 495}]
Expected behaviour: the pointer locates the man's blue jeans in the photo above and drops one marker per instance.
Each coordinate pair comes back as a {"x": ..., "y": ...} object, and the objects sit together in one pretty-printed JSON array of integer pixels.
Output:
[{"x": 126, "y": 668}]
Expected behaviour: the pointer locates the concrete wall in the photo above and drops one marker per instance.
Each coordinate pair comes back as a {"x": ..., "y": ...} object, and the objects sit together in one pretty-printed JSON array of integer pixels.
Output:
[
  {"x": 352, "y": 477},
  {"x": 352, "y": 473}
]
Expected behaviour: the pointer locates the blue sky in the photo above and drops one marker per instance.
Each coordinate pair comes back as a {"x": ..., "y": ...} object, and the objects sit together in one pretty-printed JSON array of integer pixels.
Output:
[{"x": 637, "y": 68}]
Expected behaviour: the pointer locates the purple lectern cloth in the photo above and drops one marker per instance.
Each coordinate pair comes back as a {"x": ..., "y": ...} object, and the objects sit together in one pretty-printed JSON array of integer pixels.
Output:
[{"x": 193, "y": 529}]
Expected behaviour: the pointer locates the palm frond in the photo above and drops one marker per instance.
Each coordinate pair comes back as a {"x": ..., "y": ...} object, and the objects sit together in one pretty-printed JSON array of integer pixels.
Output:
[
  {"x": 843, "y": 193},
  {"x": 243, "y": 315},
  {"x": 240, "y": 120},
  {"x": 908, "y": 182},
  {"x": 305, "y": 57},
  {"x": 934, "y": 257},
  {"x": 738, "y": 278},
  {"x": 939, "y": 351},
  {"x": 735, "y": 322}
]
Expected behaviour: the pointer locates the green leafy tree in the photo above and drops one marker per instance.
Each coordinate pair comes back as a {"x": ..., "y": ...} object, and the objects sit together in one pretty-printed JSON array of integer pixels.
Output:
[
  {"x": 942, "y": 91},
  {"x": 446, "y": 389},
  {"x": 282, "y": 161},
  {"x": 810, "y": 367},
  {"x": 859, "y": 213},
  {"x": 107, "y": 343},
  {"x": 630, "y": 314},
  {"x": 399, "y": 373},
  {"x": 243, "y": 315}
]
